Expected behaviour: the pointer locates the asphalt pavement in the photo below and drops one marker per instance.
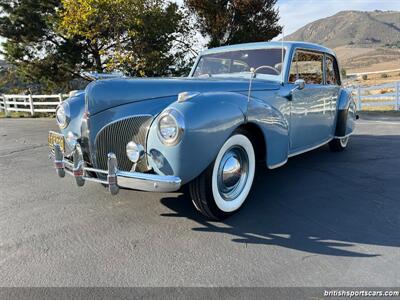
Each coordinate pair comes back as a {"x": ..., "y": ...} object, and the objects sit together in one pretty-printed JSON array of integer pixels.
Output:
[{"x": 323, "y": 219}]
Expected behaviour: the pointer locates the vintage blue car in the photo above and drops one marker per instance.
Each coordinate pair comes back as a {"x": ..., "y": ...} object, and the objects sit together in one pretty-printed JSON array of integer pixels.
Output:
[{"x": 240, "y": 106}]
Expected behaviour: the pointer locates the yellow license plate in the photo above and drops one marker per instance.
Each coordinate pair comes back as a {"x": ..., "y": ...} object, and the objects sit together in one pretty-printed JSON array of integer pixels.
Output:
[{"x": 56, "y": 138}]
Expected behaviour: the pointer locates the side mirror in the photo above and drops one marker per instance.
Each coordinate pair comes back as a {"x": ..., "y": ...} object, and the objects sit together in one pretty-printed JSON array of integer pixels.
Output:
[{"x": 299, "y": 84}]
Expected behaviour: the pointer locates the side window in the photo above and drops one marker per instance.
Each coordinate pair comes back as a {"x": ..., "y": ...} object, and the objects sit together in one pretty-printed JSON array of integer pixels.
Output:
[
  {"x": 308, "y": 66},
  {"x": 332, "y": 75}
]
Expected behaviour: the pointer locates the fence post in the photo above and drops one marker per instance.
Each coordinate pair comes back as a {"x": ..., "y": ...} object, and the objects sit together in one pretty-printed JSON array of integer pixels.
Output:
[
  {"x": 359, "y": 97},
  {"x": 60, "y": 98},
  {"x": 31, "y": 104},
  {"x": 5, "y": 105},
  {"x": 397, "y": 99}
]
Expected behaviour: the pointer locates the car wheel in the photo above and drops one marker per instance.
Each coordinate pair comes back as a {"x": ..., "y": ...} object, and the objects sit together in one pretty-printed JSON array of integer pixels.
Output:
[
  {"x": 339, "y": 144},
  {"x": 223, "y": 187}
]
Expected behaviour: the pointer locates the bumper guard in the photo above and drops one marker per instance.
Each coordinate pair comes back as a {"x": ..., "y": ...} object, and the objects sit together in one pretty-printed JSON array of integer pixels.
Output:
[{"x": 115, "y": 178}]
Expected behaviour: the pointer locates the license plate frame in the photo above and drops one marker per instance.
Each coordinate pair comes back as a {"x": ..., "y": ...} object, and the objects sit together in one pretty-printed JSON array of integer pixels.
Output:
[{"x": 56, "y": 138}]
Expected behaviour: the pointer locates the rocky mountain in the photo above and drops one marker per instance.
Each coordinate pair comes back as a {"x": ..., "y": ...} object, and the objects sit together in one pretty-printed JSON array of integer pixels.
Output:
[
  {"x": 364, "y": 41},
  {"x": 358, "y": 28}
]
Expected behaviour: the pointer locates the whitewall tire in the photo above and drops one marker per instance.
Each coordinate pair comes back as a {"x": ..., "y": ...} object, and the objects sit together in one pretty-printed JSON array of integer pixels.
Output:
[{"x": 224, "y": 186}]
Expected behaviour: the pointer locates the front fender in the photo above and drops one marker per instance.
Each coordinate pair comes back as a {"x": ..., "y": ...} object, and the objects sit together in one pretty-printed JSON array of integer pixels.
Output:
[
  {"x": 273, "y": 122},
  {"x": 76, "y": 105},
  {"x": 210, "y": 119}
]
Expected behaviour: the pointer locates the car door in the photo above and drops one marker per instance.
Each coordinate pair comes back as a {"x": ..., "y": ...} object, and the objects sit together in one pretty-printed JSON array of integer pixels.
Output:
[{"x": 311, "y": 106}]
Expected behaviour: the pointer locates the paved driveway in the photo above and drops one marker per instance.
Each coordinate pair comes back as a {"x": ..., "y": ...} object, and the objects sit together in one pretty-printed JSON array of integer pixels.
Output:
[{"x": 324, "y": 219}]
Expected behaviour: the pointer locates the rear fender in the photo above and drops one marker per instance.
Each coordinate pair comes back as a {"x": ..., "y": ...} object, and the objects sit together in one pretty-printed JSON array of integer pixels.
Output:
[{"x": 346, "y": 114}]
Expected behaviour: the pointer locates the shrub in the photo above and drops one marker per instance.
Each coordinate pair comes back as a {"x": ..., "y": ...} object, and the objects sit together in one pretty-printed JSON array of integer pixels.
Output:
[
  {"x": 365, "y": 77},
  {"x": 384, "y": 75},
  {"x": 343, "y": 73}
]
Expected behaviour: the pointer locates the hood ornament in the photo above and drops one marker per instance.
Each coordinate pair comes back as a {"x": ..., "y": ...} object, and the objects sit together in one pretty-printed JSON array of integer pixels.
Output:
[{"x": 97, "y": 76}]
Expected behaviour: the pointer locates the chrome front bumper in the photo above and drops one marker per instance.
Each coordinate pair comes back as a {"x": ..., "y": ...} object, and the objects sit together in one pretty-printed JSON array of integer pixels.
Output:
[{"x": 115, "y": 178}]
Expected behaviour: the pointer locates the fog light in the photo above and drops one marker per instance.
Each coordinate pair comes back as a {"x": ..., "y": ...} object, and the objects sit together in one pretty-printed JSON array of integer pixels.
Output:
[
  {"x": 157, "y": 158},
  {"x": 135, "y": 152}
]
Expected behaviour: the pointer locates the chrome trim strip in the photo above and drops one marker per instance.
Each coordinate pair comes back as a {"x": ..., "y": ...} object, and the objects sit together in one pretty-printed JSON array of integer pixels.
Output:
[
  {"x": 311, "y": 148},
  {"x": 96, "y": 170},
  {"x": 122, "y": 119},
  {"x": 278, "y": 165},
  {"x": 92, "y": 179},
  {"x": 148, "y": 182}
]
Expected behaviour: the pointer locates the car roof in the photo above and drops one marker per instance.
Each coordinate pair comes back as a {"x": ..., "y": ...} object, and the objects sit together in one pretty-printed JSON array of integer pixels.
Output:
[{"x": 277, "y": 44}]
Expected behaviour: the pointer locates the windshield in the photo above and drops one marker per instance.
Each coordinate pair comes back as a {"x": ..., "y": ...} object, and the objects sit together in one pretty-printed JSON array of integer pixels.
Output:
[{"x": 239, "y": 63}]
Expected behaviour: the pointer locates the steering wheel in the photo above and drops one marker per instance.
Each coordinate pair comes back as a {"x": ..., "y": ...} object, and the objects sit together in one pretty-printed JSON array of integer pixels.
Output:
[{"x": 267, "y": 67}]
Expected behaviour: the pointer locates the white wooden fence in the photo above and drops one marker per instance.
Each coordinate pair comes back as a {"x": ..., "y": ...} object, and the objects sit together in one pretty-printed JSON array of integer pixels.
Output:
[
  {"x": 30, "y": 103},
  {"x": 384, "y": 96}
]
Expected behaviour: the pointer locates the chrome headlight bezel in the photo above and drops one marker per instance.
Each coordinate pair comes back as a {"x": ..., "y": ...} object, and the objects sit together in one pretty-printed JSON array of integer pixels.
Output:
[
  {"x": 63, "y": 115},
  {"x": 179, "y": 125}
]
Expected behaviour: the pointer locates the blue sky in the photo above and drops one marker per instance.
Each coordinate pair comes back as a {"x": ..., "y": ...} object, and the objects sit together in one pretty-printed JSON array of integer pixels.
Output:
[{"x": 297, "y": 13}]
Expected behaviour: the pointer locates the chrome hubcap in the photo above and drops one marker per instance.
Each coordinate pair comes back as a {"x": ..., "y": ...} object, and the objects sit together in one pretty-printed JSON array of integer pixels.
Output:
[{"x": 232, "y": 173}]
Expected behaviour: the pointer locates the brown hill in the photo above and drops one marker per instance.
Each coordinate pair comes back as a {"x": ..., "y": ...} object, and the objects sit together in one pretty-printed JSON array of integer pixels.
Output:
[
  {"x": 377, "y": 28},
  {"x": 364, "y": 41}
]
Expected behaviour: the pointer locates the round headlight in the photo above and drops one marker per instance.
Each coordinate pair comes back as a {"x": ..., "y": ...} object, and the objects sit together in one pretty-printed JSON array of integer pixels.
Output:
[
  {"x": 170, "y": 127},
  {"x": 62, "y": 115}
]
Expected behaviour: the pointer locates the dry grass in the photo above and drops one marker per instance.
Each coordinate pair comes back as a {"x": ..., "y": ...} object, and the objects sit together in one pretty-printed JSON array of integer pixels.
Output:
[
  {"x": 375, "y": 79},
  {"x": 358, "y": 60},
  {"x": 378, "y": 108}
]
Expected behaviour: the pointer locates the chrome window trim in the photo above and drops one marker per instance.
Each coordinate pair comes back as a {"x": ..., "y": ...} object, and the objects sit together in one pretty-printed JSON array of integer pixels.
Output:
[
  {"x": 257, "y": 48},
  {"x": 335, "y": 68},
  {"x": 307, "y": 50}
]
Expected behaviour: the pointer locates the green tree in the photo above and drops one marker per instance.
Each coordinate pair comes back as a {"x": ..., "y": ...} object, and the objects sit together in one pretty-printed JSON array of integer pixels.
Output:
[
  {"x": 35, "y": 47},
  {"x": 52, "y": 41},
  {"x": 138, "y": 37},
  {"x": 227, "y": 22},
  {"x": 10, "y": 81}
]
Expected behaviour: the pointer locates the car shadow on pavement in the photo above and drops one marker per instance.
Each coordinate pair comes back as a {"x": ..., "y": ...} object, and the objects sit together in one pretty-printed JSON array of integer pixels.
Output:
[{"x": 320, "y": 202}]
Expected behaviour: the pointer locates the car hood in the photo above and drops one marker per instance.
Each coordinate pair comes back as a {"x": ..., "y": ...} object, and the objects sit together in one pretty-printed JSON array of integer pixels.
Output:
[{"x": 104, "y": 94}]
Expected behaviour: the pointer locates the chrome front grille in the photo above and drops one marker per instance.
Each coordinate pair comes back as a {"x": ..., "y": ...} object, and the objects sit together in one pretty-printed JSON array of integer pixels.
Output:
[{"x": 114, "y": 137}]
